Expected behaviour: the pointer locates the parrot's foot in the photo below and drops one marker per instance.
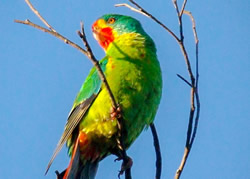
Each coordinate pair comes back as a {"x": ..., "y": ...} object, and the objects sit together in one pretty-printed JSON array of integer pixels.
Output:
[
  {"x": 60, "y": 175},
  {"x": 126, "y": 164},
  {"x": 116, "y": 112}
]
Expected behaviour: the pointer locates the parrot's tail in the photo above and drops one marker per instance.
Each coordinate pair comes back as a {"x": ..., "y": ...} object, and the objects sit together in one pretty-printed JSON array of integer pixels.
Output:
[
  {"x": 78, "y": 170},
  {"x": 89, "y": 170}
]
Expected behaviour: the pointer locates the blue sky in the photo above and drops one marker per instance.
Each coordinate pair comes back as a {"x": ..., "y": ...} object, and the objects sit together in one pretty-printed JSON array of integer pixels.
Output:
[{"x": 40, "y": 77}]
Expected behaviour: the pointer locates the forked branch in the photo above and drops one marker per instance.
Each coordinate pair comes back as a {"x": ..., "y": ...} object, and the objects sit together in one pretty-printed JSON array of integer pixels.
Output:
[{"x": 39, "y": 15}]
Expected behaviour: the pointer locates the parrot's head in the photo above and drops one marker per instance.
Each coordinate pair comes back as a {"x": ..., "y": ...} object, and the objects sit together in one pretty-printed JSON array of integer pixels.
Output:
[{"x": 119, "y": 30}]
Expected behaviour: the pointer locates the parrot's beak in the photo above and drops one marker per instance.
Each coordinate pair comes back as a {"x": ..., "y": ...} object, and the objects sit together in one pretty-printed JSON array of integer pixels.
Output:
[
  {"x": 98, "y": 25},
  {"x": 97, "y": 29},
  {"x": 102, "y": 33}
]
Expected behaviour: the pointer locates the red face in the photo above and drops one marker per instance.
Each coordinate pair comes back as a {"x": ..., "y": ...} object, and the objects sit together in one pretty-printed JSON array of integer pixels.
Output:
[{"x": 102, "y": 33}]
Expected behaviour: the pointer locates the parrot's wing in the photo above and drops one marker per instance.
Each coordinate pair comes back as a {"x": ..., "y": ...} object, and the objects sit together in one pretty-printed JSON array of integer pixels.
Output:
[{"x": 88, "y": 92}]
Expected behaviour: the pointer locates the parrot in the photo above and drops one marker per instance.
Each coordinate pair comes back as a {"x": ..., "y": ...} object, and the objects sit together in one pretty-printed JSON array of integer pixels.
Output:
[{"x": 134, "y": 75}]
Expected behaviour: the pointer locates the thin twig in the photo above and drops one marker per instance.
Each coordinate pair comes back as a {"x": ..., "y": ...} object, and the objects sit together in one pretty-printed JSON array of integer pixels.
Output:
[
  {"x": 183, "y": 7},
  {"x": 194, "y": 29},
  {"x": 181, "y": 42},
  {"x": 39, "y": 15},
  {"x": 131, "y": 8},
  {"x": 194, "y": 95},
  {"x": 157, "y": 152},
  {"x": 186, "y": 81},
  {"x": 176, "y": 7},
  {"x": 184, "y": 52},
  {"x": 182, "y": 164},
  {"x": 196, "y": 118},
  {"x": 197, "y": 76},
  {"x": 179, "y": 20},
  {"x": 193, "y": 82},
  {"x": 57, "y": 35}
]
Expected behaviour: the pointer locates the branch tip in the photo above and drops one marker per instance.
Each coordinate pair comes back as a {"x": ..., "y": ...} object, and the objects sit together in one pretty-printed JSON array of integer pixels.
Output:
[
  {"x": 36, "y": 12},
  {"x": 186, "y": 81}
]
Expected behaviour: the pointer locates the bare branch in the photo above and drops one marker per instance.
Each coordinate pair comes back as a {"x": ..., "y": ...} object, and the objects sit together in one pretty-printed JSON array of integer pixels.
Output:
[
  {"x": 181, "y": 42},
  {"x": 194, "y": 95},
  {"x": 131, "y": 8},
  {"x": 157, "y": 151},
  {"x": 179, "y": 20},
  {"x": 176, "y": 7},
  {"x": 184, "y": 52},
  {"x": 193, "y": 27},
  {"x": 183, "y": 162},
  {"x": 197, "y": 76},
  {"x": 57, "y": 35},
  {"x": 39, "y": 15},
  {"x": 183, "y": 7}
]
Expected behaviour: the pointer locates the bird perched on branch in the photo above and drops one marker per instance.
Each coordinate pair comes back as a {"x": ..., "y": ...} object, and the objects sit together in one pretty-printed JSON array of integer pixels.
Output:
[{"x": 133, "y": 73}]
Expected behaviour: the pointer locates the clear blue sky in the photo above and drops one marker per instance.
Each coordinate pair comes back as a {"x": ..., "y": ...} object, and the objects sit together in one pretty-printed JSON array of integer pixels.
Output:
[{"x": 40, "y": 77}]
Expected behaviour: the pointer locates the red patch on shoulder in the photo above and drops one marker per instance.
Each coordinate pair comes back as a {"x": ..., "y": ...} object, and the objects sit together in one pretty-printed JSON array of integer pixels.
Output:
[
  {"x": 88, "y": 150},
  {"x": 83, "y": 139}
]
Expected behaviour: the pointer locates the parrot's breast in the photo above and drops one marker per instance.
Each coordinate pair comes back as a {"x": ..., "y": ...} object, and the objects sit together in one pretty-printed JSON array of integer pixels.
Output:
[
  {"x": 137, "y": 89},
  {"x": 134, "y": 76}
]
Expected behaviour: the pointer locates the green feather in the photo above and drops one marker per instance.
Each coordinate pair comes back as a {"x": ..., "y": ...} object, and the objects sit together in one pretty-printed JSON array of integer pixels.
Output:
[{"x": 133, "y": 73}]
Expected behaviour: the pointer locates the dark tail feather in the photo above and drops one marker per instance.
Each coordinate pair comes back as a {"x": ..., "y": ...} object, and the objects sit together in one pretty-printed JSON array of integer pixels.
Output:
[
  {"x": 74, "y": 165},
  {"x": 89, "y": 170},
  {"x": 77, "y": 170}
]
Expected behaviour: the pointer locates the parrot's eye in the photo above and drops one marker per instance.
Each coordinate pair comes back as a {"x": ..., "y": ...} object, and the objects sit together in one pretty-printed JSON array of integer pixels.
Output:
[{"x": 111, "y": 20}]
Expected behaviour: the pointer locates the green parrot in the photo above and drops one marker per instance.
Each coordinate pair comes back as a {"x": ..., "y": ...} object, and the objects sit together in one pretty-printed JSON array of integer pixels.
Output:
[{"x": 134, "y": 75}]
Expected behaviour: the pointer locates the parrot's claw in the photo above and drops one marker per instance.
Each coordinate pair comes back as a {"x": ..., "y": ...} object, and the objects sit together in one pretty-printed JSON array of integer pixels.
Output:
[
  {"x": 116, "y": 112},
  {"x": 125, "y": 165}
]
